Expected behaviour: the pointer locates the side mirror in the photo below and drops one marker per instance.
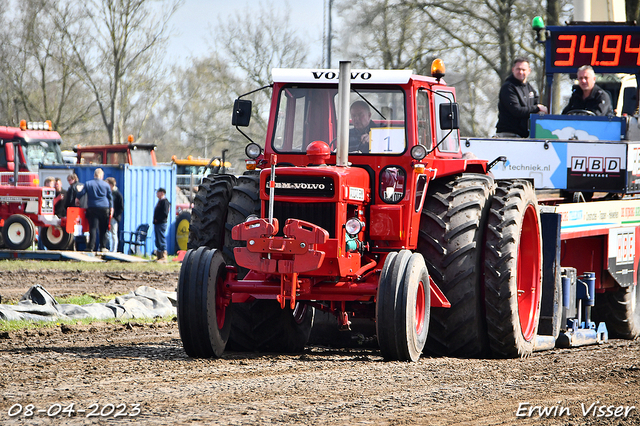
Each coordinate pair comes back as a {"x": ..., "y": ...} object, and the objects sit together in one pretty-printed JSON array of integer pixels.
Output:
[
  {"x": 241, "y": 113},
  {"x": 449, "y": 116}
]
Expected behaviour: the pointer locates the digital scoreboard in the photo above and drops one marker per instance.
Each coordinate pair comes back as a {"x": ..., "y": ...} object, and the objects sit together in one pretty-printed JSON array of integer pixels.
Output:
[{"x": 607, "y": 48}]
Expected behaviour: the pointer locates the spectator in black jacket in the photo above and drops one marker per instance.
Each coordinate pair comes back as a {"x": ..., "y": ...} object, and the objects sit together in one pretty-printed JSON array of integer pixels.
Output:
[
  {"x": 74, "y": 187},
  {"x": 59, "y": 202},
  {"x": 160, "y": 216},
  {"x": 588, "y": 96},
  {"x": 118, "y": 209},
  {"x": 518, "y": 99}
]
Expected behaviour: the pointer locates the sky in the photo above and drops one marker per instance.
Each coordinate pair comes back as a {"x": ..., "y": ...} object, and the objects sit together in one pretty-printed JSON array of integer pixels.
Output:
[{"x": 193, "y": 21}]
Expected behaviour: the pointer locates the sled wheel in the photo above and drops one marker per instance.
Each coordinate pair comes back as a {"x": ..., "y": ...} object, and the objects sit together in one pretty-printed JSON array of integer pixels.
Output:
[
  {"x": 620, "y": 310},
  {"x": 263, "y": 326},
  {"x": 182, "y": 229},
  {"x": 513, "y": 265},
  {"x": 56, "y": 238},
  {"x": 18, "y": 232},
  {"x": 203, "y": 319},
  {"x": 451, "y": 235},
  {"x": 402, "y": 309},
  {"x": 209, "y": 212}
]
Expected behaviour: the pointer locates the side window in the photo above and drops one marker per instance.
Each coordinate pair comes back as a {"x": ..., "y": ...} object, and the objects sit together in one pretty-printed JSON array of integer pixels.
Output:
[
  {"x": 3, "y": 156},
  {"x": 452, "y": 141},
  {"x": 424, "y": 124}
]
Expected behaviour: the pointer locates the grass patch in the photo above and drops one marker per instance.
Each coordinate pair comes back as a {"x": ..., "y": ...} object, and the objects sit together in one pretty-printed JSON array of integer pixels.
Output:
[
  {"x": 62, "y": 265},
  {"x": 9, "y": 326},
  {"x": 85, "y": 299}
]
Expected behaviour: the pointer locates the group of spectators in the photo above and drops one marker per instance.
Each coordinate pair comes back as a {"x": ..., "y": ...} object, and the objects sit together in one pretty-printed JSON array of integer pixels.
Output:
[
  {"x": 104, "y": 206},
  {"x": 518, "y": 99}
]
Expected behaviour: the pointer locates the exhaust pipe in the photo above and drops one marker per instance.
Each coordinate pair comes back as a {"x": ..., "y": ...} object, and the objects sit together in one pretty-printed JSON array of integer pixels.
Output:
[{"x": 344, "y": 92}]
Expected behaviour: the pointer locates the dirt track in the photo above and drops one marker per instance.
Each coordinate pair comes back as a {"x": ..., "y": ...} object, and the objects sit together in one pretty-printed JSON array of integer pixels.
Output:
[{"x": 144, "y": 364}]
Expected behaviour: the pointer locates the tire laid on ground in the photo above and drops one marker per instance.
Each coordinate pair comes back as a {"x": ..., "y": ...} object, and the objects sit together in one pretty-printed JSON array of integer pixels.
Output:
[
  {"x": 18, "y": 232},
  {"x": 203, "y": 321},
  {"x": 182, "y": 229},
  {"x": 620, "y": 310},
  {"x": 209, "y": 212},
  {"x": 451, "y": 239},
  {"x": 513, "y": 269},
  {"x": 56, "y": 238},
  {"x": 402, "y": 308}
]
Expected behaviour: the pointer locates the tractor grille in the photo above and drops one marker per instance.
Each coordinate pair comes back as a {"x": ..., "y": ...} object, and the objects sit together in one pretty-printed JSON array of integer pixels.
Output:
[{"x": 320, "y": 214}]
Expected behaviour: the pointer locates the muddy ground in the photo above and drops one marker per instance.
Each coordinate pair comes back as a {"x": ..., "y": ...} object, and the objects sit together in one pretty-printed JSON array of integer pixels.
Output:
[{"x": 125, "y": 373}]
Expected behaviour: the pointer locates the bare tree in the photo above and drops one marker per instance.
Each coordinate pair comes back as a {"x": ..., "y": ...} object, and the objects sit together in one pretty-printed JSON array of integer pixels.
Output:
[
  {"x": 117, "y": 52},
  {"x": 254, "y": 44},
  {"x": 203, "y": 103},
  {"x": 386, "y": 34}
]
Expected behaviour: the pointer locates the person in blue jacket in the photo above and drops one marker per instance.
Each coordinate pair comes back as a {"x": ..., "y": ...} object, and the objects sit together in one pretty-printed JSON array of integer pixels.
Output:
[{"x": 99, "y": 209}]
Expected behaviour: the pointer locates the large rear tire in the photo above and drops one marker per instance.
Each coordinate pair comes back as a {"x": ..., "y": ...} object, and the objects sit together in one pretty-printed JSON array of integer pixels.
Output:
[
  {"x": 244, "y": 202},
  {"x": 56, "y": 238},
  {"x": 203, "y": 320},
  {"x": 451, "y": 239},
  {"x": 620, "y": 310},
  {"x": 18, "y": 232},
  {"x": 402, "y": 308},
  {"x": 263, "y": 326},
  {"x": 209, "y": 212},
  {"x": 513, "y": 269}
]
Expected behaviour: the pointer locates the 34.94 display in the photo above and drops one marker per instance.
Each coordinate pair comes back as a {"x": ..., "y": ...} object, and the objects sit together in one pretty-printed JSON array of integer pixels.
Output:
[{"x": 605, "y": 48}]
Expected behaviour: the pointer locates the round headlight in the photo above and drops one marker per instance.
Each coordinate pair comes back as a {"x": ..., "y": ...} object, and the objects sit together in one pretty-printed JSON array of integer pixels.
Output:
[
  {"x": 353, "y": 226},
  {"x": 418, "y": 152},
  {"x": 253, "y": 150}
]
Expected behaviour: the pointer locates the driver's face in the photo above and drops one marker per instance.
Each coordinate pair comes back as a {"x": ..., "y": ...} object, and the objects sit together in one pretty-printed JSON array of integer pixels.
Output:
[
  {"x": 586, "y": 79},
  {"x": 360, "y": 117}
]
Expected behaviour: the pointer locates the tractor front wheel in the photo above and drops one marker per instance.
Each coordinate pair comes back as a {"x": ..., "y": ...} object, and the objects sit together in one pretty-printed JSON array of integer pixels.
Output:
[
  {"x": 403, "y": 306},
  {"x": 513, "y": 269},
  {"x": 18, "y": 232},
  {"x": 203, "y": 319},
  {"x": 56, "y": 238}
]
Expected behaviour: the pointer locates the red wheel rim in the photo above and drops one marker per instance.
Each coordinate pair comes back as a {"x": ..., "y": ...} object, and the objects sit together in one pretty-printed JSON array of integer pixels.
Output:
[
  {"x": 529, "y": 273},
  {"x": 420, "y": 307}
]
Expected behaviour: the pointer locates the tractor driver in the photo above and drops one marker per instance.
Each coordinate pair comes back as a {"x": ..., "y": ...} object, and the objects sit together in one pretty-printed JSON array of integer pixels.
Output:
[
  {"x": 588, "y": 97},
  {"x": 361, "y": 120}
]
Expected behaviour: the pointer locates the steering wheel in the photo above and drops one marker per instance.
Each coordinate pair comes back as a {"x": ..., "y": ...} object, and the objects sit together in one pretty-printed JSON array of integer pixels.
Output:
[{"x": 580, "y": 112}]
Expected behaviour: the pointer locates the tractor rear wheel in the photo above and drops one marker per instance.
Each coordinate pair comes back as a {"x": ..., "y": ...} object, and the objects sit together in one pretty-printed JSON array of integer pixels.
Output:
[
  {"x": 620, "y": 310},
  {"x": 402, "y": 308},
  {"x": 56, "y": 238},
  {"x": 263, "y": 326},
  {"x": 513, "y": 269},
  {"x": 18, "y": 232},
  {"x": 451, "y": 240},
  {"x": 203, "y": 319},
  {"x": 210, "y": 212},
  {"x": 244, "y": 202}
]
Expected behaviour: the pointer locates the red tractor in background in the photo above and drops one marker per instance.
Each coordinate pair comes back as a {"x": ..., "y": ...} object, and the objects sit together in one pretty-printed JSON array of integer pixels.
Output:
[
  {"x": 386, "y": 232},
  {"x": 24, "y": 206}
]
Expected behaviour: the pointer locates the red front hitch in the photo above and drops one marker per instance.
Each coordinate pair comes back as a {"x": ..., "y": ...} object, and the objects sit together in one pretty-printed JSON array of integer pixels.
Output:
[{"x": 288, "y": 255}]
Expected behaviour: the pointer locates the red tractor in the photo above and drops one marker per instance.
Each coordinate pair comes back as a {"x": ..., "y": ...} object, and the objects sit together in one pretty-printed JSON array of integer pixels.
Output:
[{"x": 383, "y": 226}]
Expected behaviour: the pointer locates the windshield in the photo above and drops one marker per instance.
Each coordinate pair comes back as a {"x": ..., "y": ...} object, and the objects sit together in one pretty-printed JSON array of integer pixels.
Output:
[
  {"x": 141, "y": 157},
  {"x": 42, "y": 152},
  {"x": 308, "y": 114}
]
